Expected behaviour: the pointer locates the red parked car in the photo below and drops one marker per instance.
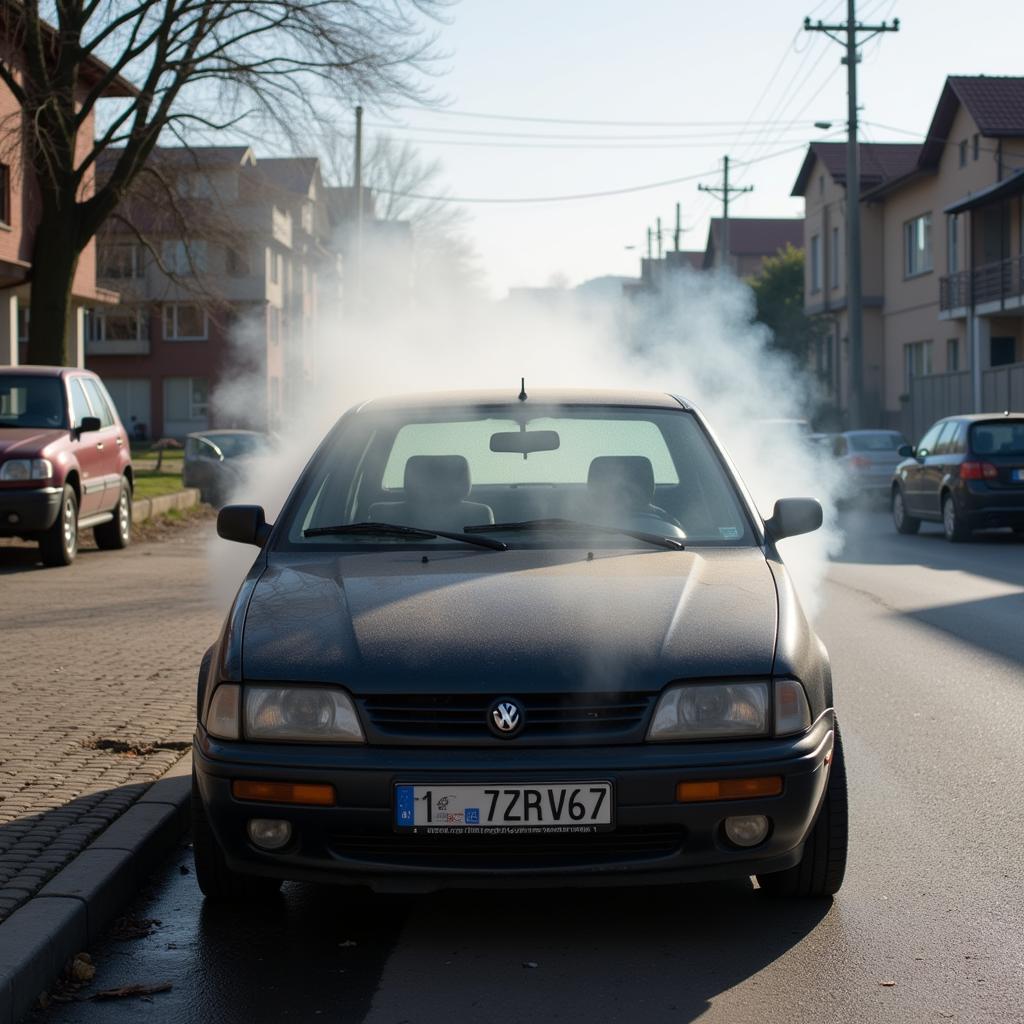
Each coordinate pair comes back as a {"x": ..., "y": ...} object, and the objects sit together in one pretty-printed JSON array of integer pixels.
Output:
[{"x": 65, "y": 461}]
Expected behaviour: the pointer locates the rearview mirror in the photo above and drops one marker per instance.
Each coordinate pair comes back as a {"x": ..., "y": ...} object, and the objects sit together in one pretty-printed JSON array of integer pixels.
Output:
[
  {"x": 88, "y": 424},
  {"x": 793, "y": 516},
  {"x": 524, "y": 442},
  {"x": 246, "y": 524},
  {"x": 905, "y": 451}
]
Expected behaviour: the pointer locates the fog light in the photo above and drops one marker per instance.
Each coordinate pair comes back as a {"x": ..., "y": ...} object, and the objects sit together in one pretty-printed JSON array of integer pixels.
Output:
[
  {"x": 270, "y": 833},
  {"x": 746, "y": 829},
  {"x": 13, "y": 518}
]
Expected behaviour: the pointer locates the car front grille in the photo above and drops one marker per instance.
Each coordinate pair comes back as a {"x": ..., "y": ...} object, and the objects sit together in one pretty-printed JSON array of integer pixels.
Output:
[
  {"x": 548, "y": 716},
  {"x": 481, "y": 852}
]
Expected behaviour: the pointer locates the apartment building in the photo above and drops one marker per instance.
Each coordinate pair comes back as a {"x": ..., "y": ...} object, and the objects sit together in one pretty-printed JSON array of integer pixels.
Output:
[
  {"x": 942, "y": 246},
  {"x": 223, "y": 267},
  {"x": 19, "y": 217}
]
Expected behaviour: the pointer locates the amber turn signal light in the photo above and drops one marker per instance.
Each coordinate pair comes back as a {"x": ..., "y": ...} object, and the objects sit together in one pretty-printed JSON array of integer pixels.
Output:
[
  {"x": 317, "y": 794},
  {"x": 728, "y": 789}
]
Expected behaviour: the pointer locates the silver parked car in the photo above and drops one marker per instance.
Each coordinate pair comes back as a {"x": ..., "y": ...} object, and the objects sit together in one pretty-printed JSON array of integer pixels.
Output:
[
  {"x": 868, "y": 458},
  {"x": 215, "y": 461}
]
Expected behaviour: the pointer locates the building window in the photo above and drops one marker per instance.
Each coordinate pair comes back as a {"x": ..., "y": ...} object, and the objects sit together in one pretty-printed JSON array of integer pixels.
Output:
[
  {"x": 123, "y": 323},
  {"x": 834, "y": 258},
  {"x": 917, "y": 361},
  {"x": 952, "y": 243},
  {"x": 275, "y": 267},
  {"x": 194, "y": 186},
  {"x": 5, "y": 194},
  {"x": 186, "y": 399},
  {"x": 185, "y": 321},
  {"x": 120, "y": 260},
  {"x": 977, "y": 145},
  {"x": 1002, "y": 351},
  {"x": 952, "y": 355},
  {"x": 815, "y": 263},
  {"x": 963, "y": 153},
  {"x": 917, "y": 245},
  {"x": 184, "y": 258},
  {"x": 237, "y": 262}
]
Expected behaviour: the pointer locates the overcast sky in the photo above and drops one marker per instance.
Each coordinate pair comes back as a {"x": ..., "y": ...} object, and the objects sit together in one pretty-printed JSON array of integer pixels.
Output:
[{"x": 734, "y": 66}]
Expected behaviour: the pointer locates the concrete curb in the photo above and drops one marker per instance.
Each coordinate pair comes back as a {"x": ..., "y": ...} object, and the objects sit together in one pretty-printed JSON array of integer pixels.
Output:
[
  {"x": 146, "y": 508},
  {"x": 78, "y": 903}
]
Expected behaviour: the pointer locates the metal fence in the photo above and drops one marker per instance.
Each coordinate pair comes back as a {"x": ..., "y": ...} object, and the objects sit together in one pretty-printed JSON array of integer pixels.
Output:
[{"x": 946, "y": 394}]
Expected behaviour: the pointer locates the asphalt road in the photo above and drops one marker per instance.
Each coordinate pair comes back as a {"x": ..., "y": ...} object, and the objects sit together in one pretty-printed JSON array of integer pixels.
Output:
[{"x": 927, "y": 640}]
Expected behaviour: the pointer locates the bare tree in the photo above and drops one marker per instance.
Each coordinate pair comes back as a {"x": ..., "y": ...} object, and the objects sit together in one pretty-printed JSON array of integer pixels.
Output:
[
  {"x": 407, "y": 186},
  {"x": 181, "y": 67}
]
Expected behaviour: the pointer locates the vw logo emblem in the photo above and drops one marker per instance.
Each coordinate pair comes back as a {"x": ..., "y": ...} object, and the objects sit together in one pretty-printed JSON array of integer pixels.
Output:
[{"x": 505, "y": 718}]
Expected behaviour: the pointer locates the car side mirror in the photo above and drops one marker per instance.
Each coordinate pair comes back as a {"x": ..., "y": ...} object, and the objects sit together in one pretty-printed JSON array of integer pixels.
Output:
[
  {"x": 89, "y": 423},
  {"x": 245, "y": 524},
  {"x": 793, "y": 516},
  {"x": 905, "y": 451}
]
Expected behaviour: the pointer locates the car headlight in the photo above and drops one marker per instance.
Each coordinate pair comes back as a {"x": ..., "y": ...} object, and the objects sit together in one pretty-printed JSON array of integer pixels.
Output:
[
  {"x": 305, "y": 714},
  {"x": 26, "y": 469},
  {"x": 711, "y": 711}
]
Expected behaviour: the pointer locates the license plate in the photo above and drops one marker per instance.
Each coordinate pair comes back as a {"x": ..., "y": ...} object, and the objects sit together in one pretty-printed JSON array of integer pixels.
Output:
[
  {"x": 1017, "y": 476},
  {"x": 495, "y": 808}
]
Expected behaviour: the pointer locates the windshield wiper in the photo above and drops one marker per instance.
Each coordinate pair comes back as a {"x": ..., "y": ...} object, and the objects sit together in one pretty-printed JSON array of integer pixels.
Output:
[
  {"x": 393, "y": 530},
  {"x": 574, "y": 524}
]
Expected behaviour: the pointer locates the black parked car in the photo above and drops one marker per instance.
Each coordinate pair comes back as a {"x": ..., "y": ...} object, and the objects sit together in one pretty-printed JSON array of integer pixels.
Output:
[
  {"x": 967, "y": 473},
  {"x": 493, "y": 641},
  {"x": 216, "y": 461}
]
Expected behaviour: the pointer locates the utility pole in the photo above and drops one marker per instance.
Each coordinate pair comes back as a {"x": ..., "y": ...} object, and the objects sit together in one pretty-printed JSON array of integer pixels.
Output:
[
  {"x": 853, "y": 35},
  {"x": 659, "y": 239},
  {"x": 724, "y": 192},
  {"x": 679, "y": 227},
  {"x": 650, "y": 244},
  {"x": 357, "y": 177}
]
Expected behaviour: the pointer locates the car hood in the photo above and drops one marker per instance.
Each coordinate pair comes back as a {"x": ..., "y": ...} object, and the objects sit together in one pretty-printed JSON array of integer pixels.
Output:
[
  {"x": 474, "y": 620},
  {"x": 25, "y": 442}
]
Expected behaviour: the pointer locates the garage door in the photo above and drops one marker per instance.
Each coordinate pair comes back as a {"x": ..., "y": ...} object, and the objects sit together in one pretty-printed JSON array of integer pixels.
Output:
[{"x": 131, "y": 396}]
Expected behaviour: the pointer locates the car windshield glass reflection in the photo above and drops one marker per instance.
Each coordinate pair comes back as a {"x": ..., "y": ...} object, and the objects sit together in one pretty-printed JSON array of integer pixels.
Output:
[
  {"x": 31, "y": 402},
  {"x": 637, "y": 473}
]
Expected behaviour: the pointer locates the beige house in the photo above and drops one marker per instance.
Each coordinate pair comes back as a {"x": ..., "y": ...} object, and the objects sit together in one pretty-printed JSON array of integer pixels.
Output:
[{"x": 942, "y": 245}]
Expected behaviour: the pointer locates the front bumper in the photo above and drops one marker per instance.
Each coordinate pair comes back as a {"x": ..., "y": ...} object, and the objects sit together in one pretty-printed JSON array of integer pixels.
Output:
[
  {"x": 656, "y": 839},
  {"x": 28, "y": 510}
]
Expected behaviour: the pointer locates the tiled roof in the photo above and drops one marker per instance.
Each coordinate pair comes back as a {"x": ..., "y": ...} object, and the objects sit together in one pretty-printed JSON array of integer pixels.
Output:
[
  {"x": 197, "y": 158},
  {"x": 293, "y": 173},
  {"x": 879, "y": 162},
  {"x": 758, "y": 236},
  {"x": 995, "y": 104}
]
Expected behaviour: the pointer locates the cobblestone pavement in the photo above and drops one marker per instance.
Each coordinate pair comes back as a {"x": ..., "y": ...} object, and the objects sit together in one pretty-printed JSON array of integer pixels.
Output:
[{"x": 97, "y": 668}]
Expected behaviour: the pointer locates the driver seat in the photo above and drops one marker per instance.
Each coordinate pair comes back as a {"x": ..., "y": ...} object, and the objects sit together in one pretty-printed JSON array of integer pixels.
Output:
[
  {"x": 620, "y": 487},
  {"x": 436, "y": 488}
]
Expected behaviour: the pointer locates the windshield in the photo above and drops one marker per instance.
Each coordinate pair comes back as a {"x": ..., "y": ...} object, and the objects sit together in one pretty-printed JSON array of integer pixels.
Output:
[
  {"x": 998, "y": 437},
  {"x": 646, "y": 470},
  {"x": 233, "y": 445},
  {"x": 883, "y": 441},
  {"x": 31, "y": 401}
]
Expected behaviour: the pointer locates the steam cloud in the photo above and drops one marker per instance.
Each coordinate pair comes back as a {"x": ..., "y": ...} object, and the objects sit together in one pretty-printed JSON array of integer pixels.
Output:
[{"x": 695, "y": 340}]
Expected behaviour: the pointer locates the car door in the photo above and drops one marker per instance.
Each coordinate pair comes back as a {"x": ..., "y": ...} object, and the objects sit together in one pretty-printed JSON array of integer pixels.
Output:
[
  {"x": 911, "y": 473},
  {"x": 109, "y": 442},
  {"x": 88, "y": 449},
  {"x": 933, "y": 469}
]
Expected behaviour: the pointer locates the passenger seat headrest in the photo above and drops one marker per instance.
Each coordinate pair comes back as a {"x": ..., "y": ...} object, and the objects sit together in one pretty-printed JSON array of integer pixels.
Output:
[
  {"x": 632, "y": 474},
  {"x": 436, "y": 478}
]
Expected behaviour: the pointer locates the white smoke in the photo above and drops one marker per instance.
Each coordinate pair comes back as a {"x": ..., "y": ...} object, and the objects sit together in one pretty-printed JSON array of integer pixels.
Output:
[{"x": 695, "y": 340}]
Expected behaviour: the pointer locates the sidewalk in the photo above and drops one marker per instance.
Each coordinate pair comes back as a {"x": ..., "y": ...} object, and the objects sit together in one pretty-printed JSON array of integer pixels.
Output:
[{"x": 97, "y": 672}]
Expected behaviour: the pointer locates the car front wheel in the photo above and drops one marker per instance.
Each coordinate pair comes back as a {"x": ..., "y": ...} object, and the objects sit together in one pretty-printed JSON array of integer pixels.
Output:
[
  {"x": 823, "y": 865},
  {"x": 118, "y": 532},
  {"x": 955, "y": 528},
  {"x": 59, "y": 545},
  {"x": 217, "y": 881},
  {"x": 903, "y": 521}
]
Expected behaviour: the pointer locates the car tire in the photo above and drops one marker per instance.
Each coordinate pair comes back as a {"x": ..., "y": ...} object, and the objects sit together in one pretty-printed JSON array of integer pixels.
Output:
[
  {"x": 217, "y": 881},
  {"x": 117, "y": 533},
  {"x": 902, "y": 520},
  {"x": 953, "y": 526},
  {"x": 823, "y": 865},
  {"x": 59, "y": 545}
]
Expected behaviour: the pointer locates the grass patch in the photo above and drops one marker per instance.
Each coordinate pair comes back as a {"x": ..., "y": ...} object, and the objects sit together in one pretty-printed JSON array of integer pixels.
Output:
[
  {"x": 151, "y": 484},
  {"x": 143, "y": 451}
]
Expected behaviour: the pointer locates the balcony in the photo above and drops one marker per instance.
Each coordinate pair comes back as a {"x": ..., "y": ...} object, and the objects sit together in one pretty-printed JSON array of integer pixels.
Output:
[
  {"x": 988, "y": 288},
  {"x": 117, "y": 346}
]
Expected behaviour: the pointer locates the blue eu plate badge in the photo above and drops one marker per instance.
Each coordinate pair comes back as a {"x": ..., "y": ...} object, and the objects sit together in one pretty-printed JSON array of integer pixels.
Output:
[{"x": 405, "y": 812}]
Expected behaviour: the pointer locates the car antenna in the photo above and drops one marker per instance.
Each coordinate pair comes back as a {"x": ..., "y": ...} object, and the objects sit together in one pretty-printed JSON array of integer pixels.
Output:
[{"x": 522, "y": 392}]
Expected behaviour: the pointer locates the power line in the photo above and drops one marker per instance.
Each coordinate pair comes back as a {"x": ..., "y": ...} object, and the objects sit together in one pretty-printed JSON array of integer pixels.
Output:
[
  {"x": 504, "y": 200},
  {"x": 476, "y": 132}
]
